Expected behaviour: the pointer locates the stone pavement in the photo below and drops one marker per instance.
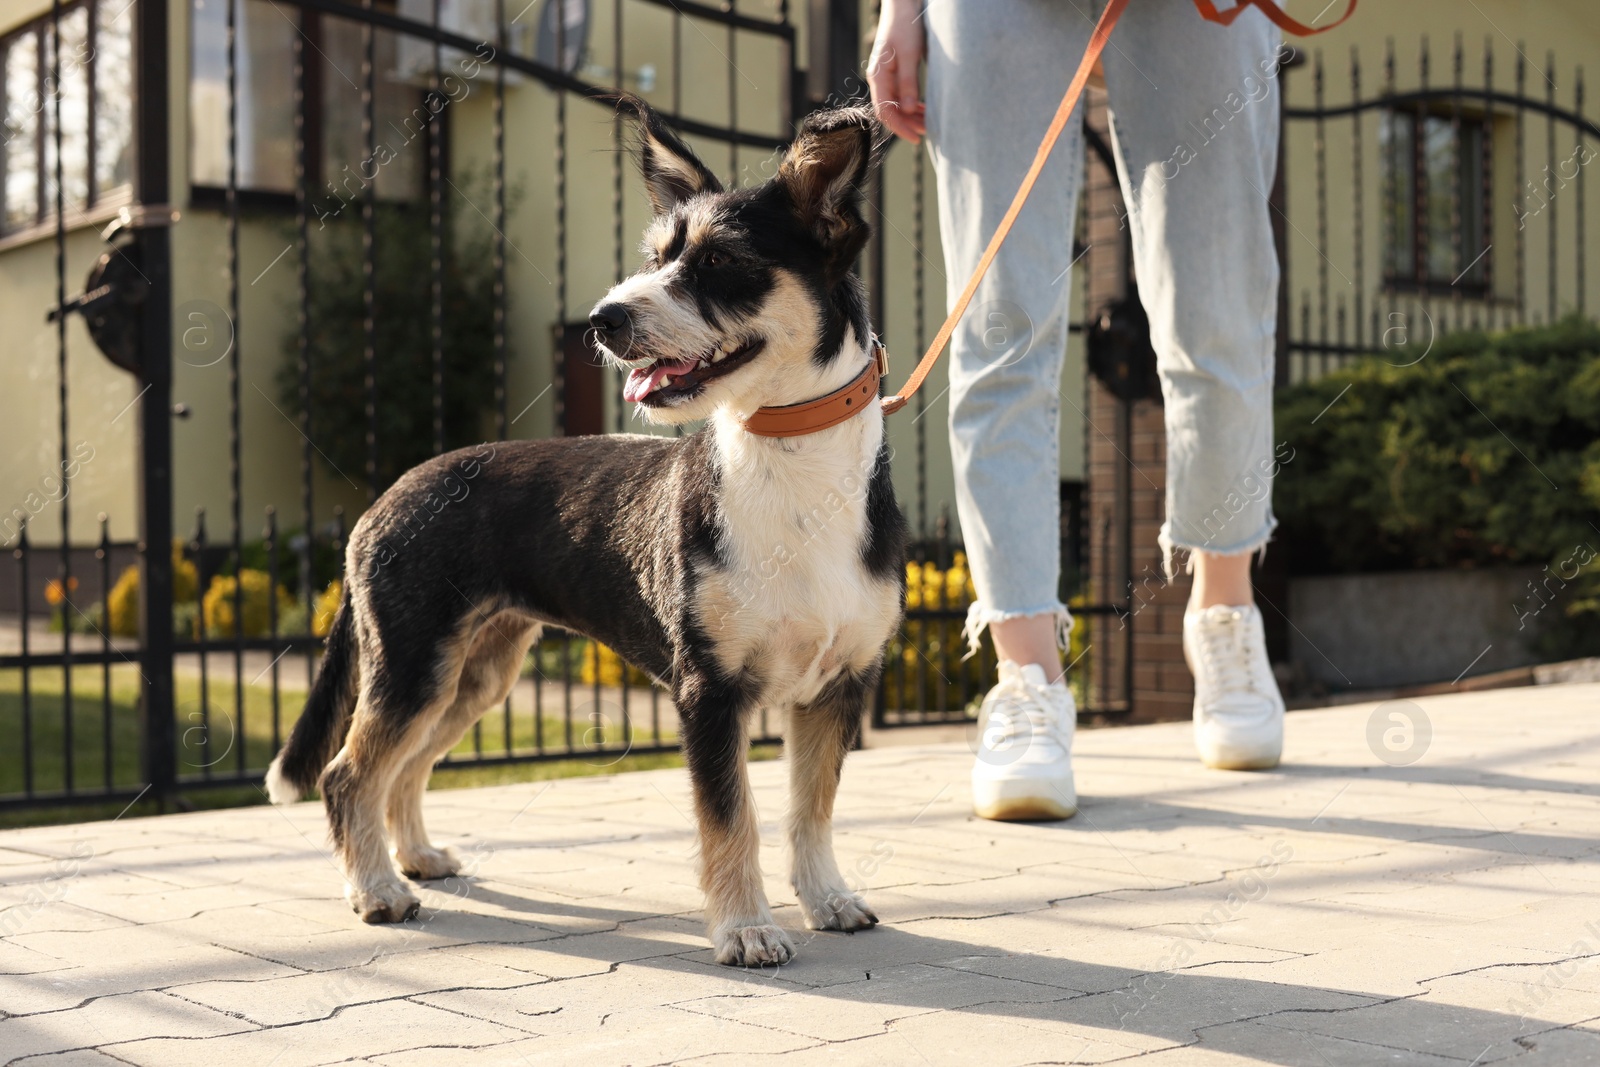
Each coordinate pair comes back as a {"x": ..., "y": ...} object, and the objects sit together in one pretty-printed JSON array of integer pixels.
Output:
[{"x": 1437, "y": 906}]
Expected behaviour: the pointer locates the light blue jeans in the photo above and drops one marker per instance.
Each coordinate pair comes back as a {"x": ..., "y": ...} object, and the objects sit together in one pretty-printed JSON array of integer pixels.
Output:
[{"x": 1194, "y": 117}]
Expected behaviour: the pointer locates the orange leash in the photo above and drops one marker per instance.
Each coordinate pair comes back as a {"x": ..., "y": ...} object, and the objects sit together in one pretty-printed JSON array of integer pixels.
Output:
[
  {"x": 1097, "y": 44},
  {"x": 1279, "y": 17}
]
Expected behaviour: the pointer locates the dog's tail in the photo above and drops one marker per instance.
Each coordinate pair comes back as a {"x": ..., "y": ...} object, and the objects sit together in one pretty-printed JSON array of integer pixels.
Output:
[{"x": 320, "y": 730}]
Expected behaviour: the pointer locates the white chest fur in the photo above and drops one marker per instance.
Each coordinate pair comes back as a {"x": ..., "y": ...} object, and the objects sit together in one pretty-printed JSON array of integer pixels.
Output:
[{"x": 797, "y": 604}]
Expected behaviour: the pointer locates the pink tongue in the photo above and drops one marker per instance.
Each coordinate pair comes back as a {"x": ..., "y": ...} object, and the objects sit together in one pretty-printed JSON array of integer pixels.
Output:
[{"x": 642, "y": 381}]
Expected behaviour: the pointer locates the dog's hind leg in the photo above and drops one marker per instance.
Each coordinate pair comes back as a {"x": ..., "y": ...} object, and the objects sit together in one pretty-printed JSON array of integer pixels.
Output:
[
  {"x": 419, "y": 860},
  {"x": 404, "y": 692},
  {"x": 355, "y": 787},
  {"x": 738, "y": 917},
  {"x": 492, "y": 666},
  {"x": 818, "y": 737}
]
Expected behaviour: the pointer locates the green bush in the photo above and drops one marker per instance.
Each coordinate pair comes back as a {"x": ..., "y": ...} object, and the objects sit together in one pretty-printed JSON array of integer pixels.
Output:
[
  {"x": 404, "y": 349},
  {"x": 1484, "y": 452}
]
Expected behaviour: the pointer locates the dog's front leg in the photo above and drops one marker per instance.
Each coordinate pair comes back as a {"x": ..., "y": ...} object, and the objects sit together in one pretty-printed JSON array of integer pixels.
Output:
[
  {"x": 738, "y": 919},
  {"x": 818, "y": 738}
]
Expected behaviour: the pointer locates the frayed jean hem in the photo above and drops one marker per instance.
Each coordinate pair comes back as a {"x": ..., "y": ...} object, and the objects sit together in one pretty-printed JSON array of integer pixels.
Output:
[
  {"x": 980, "y": 616},
  {"x": 1257, "y": 543}
]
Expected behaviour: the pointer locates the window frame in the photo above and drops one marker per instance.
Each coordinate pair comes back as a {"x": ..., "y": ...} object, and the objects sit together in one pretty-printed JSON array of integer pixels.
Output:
[
  {"x": 1475, "y": 211},
  {"x": 99, "y": 205},
  {"x": 283, "y": 201}
]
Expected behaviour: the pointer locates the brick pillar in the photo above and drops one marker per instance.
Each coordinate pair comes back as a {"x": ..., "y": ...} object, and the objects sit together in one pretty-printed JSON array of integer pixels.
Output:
[{"x": 1131, "y": 573}]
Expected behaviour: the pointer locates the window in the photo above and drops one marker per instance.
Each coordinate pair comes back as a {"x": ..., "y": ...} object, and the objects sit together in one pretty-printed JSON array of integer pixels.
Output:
[
  {"x": 96, "y": 93},
  {"x": 264, "y": 42},
  {"x": 1434, "y": 200}
]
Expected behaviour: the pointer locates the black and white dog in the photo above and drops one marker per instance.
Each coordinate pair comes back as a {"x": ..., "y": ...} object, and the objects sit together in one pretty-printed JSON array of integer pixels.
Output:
[{"x": 741, "y": 571}]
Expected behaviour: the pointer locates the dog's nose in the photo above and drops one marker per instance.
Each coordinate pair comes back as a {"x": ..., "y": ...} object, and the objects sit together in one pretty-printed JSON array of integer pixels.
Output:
[{"x": 609, "y": 318}]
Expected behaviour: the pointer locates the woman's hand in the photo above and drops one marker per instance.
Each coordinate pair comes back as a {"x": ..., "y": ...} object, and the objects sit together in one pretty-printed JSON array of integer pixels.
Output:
[{"x": 892, "y": 70}]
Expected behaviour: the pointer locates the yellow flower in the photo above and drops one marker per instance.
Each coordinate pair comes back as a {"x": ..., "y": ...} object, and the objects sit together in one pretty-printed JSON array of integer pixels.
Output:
[
  {"x": 220, "y": 602},
  {"x": 52, "y": 590},
  {"x": 602, "y": 663},
  {"x": 122, "y": 603},
  {"x": 325, "y": 607}
]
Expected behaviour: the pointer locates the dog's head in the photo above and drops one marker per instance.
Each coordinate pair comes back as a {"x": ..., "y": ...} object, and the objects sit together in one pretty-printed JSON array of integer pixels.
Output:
[{"x": 746, "y": 297}]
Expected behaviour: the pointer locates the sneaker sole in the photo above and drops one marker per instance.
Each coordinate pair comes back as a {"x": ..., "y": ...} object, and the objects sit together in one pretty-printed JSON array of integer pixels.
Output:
[
  {"x": 1024, "y": 809},
  {"x": 1241, "y": 761},
  {"x": 1264, "y": 763},
  {"x": 1025, "y": 800}
]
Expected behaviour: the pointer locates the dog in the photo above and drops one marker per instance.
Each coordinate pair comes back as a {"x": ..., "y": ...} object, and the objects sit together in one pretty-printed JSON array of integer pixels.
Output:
[{"x": 739, "y": 571}]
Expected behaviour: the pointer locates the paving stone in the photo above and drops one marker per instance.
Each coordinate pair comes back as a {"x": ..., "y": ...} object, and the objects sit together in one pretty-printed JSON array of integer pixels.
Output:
[
  {"x": 1261, "y": 1042},
  {"x": 303, "y": 997},
  {"x": 1421, "y": 1024},
  {"x": 75, "y": 1058},
  {"x": 1023, "y": 1036},
  {"x": 640, "y": 1036},
  {"x": 38, "y": 909},
  {"x": 121, "y": 898},
  {"x": 17, "y": 960},
  {"x": 594, "y": 953},
  {"x": 888, "y": 1049},
  {"x": 862, "y": 1008},
  {"x": 61, "y": 989},
  {"x": 1334, "y": 911},
  {"x": 103, "y": 1022},
  {"x": 363, "y": 1030},
  {"x": 1560, "y": 1047},
  {"x": 585, "y": 1004}
]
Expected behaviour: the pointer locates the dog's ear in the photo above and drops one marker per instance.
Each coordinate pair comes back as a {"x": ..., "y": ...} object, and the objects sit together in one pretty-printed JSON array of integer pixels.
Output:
[
  {"x": 825, "y": 172},
  {"x": 672, "y": 172}
]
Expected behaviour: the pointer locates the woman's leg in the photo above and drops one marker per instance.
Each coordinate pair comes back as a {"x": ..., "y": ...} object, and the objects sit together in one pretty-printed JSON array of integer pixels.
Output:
[
  {"x": 1194, "y": 113},
  {"x": 1029, "y": 639},
  {"x": 995, "y": 77},
  {"x": 1221, "y": 580},
  {"x": 1195, "y": 117}
]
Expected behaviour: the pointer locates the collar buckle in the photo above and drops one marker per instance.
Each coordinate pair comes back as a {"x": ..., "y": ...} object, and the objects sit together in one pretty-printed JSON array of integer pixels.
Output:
[{"x": 881, "y": 354}]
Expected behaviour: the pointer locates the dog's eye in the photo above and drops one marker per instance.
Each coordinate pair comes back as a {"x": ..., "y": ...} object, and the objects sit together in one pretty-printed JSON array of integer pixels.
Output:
[{"x": 712, "y": 259}]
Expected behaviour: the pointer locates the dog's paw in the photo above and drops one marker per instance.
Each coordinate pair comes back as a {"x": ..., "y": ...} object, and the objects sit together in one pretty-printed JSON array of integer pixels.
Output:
[
  {"x": 837, "y": 909},
  {"x": 426, "y": 863},
  {"x": 389, "y": 902},
  {"x": 754, "y": 946}
]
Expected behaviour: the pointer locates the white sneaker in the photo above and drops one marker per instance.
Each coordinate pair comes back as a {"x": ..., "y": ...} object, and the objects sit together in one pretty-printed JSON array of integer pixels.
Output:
[
  {"x": 1024, "y": 765},
  {"x": 1238, "y": 711}
]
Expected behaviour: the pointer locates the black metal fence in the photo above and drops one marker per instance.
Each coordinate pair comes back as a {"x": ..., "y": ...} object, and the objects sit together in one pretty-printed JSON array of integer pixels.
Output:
[
  {"x": 188, "y": 671},
  {"x": 1465, "y": 193}
]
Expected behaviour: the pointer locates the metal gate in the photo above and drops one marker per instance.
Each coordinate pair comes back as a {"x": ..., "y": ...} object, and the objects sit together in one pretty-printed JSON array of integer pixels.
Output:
[
  {"x": 215, "y": 693},
  {"x": 1437, "y": 146}
]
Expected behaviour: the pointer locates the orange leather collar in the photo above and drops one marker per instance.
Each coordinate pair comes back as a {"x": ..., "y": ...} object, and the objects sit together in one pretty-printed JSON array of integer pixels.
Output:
[{"x": 796, "y": 420}]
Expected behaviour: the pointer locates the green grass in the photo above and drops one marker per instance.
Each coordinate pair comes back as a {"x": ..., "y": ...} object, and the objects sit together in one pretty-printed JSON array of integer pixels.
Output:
[{"x": 48, "y": 742}]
